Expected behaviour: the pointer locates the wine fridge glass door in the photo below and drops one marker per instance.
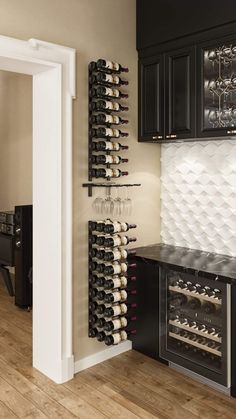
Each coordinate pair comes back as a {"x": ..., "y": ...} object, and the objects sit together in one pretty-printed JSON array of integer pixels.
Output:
[{"x": 194, "y": 324}]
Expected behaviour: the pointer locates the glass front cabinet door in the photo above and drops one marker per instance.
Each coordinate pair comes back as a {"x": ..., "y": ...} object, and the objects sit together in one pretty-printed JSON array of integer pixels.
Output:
[{"x": 217, "y": 96}]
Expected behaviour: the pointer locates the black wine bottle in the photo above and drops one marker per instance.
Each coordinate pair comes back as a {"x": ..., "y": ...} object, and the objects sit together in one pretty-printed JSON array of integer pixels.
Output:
[
  {"x": 108, "y": 159},
  {"x": 118, "y": 323},
  {"x": 107, "y": 79},
  {"x": 117, "y": 282},
  {"x": 107, "y": 92},
  {"x": 102, "y": 64},
  {"x": 93, "y": 331},
  {"x": 117, "y": 268},
  {"x": 107, "y": 119},
  {"x": 208, "y": 308},
  {"x": 178, "y": 300},
  {"x": 117, "y": 227},
  {"x": 119, "y": 309},
  {"x": 108, "y": 146},
  {"x": 108, "y": 173},
  {"x": 110, "y": 282},
  {"x": 111, "y": 241},
  {"x": 117, "y": 296},
  {"x": 103, "y": 132},
  {"x": 118, "y": 240},
  {"x": 117, "y": 254},
  {"x": 118, "y": 337},
  {"x": 101, "y": 336},
  {"x": 108, "y": 106},
  {"x": 194, "y": 303},
  {"x": 96, "y": 308},
  {"x": 99, "y": 295}
]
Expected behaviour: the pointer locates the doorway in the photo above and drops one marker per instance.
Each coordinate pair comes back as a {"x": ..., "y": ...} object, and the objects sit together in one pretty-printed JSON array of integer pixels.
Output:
[{"x": 52, "y": 68}]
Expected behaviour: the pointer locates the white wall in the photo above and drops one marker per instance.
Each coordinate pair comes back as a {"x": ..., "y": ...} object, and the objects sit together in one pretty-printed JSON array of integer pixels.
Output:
[{"x": 198, "y": 195}]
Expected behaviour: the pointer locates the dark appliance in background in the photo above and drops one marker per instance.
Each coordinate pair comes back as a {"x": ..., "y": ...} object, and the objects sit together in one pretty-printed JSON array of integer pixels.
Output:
[
  {"x": 195, "y": 324},
  {"x": 7, "y": 247},
  {"x": 23, "y": 255}
]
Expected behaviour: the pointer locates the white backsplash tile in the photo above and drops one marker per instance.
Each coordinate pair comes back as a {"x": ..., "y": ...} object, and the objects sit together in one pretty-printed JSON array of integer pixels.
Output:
[{"x": 198, "y": 195}]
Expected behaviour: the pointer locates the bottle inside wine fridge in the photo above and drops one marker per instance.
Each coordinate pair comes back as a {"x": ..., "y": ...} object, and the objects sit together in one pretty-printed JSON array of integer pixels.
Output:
[{"x": 195, "y": 324}]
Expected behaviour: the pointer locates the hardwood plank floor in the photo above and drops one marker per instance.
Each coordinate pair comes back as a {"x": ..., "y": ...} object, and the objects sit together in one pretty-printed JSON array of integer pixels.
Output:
[{"x": 128, "y": 386}]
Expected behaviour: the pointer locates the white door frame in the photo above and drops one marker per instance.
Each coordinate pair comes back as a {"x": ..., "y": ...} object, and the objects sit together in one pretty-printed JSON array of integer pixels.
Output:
[{"x": 53, "y": 70}]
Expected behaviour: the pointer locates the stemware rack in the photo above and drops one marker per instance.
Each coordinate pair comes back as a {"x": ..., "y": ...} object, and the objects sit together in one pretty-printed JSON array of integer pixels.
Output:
[
  {"x": 96, "y": 77},
  {"x": 98, "y": 320}
]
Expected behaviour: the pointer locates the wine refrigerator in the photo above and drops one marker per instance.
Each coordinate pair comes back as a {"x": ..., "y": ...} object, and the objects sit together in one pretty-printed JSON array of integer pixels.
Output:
[{"x": 195, "y": 324}]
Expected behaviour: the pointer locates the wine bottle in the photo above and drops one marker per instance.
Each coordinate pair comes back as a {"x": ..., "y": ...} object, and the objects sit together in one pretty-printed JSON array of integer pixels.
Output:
[
  {"x": 194, "y": 303},
  {"x": 108, "y": 146},
  {"x": 93, "y": 331},
  {"x": 119, "y": 309},
  {"x": 118, "y": 240},
  {"x": 117, "y": 268},
  {"x": 117, "y": 296},
  {"x": 117, "y": 254},
  {"x": 110, "y": 282},
  {"x": 107, "y": 119},
  {"x": 99, "y": 295},
  {"x": 103, "y": 132},
  {"x": 118, "y": 282},
  {"x": 107, "y": 92},
  {"x": 107, "y": 105},
  {"x": 111, "y": 241},
  {"x": 94, "y": 307},
  {"x": 101, "y": 336},
  {"x": 107, "y": 79},
  {"x": 208, "y": 308},
  {"x": 108, "y": 159},
  {"x": 118, "y": 323},
  {"x": 102, "y": 64},
  {"x": 118, "y": 337},
  {"x": 178, "y": 300},
  {"x": 117, "y": 227},
  {"x": 108, "y": 173}
]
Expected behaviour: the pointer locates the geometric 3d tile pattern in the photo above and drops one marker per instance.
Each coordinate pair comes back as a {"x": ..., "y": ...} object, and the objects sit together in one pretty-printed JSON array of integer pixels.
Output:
[{"x": 198, "y": 195}]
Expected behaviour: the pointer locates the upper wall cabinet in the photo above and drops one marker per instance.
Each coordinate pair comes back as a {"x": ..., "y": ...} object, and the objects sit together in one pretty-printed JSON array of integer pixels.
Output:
[
  {"x": 180, "y": 95},
  {"x": 167, "y": 96},
  {"x": 217, "y": 99},
  {"x": 159, "y": 21},
  {"x": 151, "y": 98}
]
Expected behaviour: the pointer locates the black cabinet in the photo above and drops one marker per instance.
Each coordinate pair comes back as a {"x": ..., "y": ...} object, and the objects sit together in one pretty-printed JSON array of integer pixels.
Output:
[
  {"x": 147, "y": 338},
  {"x": 180, "y": 95},
  {"x": 151, "y": 96},
  {"x": 159, "y": 21},
  {"x": 217, "y": 87},
  {"x": 167, "y": 96}
]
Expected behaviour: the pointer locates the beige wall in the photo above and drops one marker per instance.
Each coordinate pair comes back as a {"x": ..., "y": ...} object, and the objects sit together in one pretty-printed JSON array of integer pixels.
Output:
[
  {"x": 96, "y": 28},
  {"x": 15, "y": 140}
]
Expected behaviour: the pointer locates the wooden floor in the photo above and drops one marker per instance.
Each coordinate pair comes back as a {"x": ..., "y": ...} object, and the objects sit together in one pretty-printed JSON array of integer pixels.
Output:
[{"x": 128, "y": 386}]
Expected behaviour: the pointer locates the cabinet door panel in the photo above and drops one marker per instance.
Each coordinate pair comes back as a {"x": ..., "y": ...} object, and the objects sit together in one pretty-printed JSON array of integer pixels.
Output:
[
  {"x": 180, "y": 94},
  {"x": 217, "y": 86},
  {"x": 151, "y": 99}
]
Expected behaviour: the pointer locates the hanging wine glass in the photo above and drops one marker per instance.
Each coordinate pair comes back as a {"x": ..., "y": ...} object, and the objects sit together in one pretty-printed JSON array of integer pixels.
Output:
[
  {"x": 213, "y": 117},
  {"x": 212, "y": 57}
]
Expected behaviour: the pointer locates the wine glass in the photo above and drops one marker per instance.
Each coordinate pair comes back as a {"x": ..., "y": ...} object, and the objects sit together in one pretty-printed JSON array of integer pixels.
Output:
[
  {"x": 213, "y": 117},
  {"x": 98, "y": 204},
  {"x": 118, "y": 204},
  {"x": 127, "y": 203},
  {"x": 107, "y": 206}
]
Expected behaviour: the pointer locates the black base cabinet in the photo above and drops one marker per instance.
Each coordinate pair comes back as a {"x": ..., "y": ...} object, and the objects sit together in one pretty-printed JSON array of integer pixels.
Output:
[
  {"x": 233, "y": 341},
  {"x": 146, "y": 340}
]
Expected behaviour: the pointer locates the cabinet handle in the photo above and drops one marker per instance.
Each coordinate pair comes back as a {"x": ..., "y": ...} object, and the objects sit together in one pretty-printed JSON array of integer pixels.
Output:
[
  {"x": 157, "y": 137},
  {"x": 167, "y": 136},
  {"x": 173, "y": 136},
  {"x": 231, "y": 131}
]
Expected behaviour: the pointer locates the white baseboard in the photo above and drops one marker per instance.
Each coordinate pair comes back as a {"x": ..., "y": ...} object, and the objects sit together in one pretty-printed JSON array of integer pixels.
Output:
[{"x": 101, "y": 356}]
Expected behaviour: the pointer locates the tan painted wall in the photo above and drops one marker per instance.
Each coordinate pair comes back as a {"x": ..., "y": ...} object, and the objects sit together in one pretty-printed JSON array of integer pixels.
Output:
[
  {"x": 15, "y": 140},
  {"x": 96, "y": 28}
]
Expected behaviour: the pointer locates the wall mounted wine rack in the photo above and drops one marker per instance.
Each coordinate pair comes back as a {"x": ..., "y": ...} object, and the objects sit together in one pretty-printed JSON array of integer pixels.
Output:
[
  {"x": 107, "y": 107},
  {"x": 111, "y": 286}
]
